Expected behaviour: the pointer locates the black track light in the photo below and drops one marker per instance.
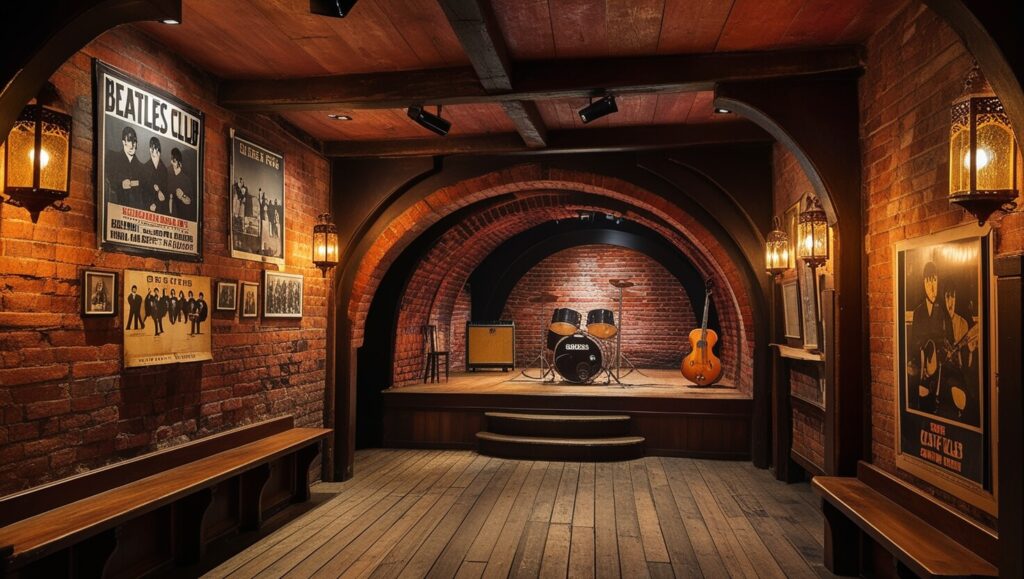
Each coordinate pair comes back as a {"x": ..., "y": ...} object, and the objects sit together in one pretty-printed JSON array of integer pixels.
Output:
[
  {"x": 429, "y": 121},
  {"x": 335, "y": 8},
  {"x": 598, "y": 109}
]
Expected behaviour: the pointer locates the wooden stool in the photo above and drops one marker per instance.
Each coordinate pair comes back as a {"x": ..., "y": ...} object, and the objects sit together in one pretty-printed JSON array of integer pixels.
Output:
[{"x": 433, "y": 356}]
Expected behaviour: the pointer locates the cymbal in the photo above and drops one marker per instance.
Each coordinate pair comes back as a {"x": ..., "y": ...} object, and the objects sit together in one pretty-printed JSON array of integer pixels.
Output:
[
  {"x": 543, "y": 298},
  {"x": 623, "y": 283}
]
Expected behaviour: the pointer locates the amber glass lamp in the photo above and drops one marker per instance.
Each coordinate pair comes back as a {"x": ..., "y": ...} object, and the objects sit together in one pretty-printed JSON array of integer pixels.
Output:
[
  {"x": 812, "y": 233},
  {"x": 325, "y": 243},
  {"x": 982, "y": 151},
  {"x": 37, "y": 160},
  {"x": 776, "y": 255}
]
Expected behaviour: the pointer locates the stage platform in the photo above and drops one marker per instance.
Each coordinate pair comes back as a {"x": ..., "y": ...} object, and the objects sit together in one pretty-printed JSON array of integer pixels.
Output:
[{"x": 676, "y": 417}]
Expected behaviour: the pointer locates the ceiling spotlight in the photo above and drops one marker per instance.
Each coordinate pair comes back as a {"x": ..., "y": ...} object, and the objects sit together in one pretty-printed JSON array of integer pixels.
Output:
[
  {"x": 586, "y": 216},
  {"x": 171, "y": 21},
  {"x": 598, "y": 109},
  {"x": 428, "y": 121},
  {"x": 335, "y": 8},
  {"x": 722, "y": 111},
  {"x": 338, "y": 117}
]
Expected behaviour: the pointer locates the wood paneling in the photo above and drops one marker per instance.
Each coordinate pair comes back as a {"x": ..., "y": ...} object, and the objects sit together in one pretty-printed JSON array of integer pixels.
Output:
[
  {"x": 635, "y": 110},
  {"x": 379, "y": 124}
]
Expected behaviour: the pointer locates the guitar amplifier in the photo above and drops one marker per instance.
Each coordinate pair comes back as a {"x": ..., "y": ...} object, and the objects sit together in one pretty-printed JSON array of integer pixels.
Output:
[{"x": 490, "y": 345}]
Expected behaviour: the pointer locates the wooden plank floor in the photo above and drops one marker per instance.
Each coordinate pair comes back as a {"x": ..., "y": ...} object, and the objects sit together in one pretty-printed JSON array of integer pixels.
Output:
[{"x": 426, "y": 513}]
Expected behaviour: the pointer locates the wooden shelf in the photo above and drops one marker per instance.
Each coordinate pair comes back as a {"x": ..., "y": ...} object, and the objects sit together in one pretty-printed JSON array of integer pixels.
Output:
[{"x": 798, "y": 353}]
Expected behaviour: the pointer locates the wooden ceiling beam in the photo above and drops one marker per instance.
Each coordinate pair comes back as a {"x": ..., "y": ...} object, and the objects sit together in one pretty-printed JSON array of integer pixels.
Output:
[
  {"x": 531, "y": 81},
  {"x": 477, "y": 29},
  {"x": 615, "y": 139}
]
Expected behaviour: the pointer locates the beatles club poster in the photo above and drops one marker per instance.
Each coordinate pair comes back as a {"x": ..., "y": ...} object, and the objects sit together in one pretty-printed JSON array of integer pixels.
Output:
[
  {"x": 166, "y": 318},
  {"x": 942, "y": 324},
  {"x": 149, "y": 169}
]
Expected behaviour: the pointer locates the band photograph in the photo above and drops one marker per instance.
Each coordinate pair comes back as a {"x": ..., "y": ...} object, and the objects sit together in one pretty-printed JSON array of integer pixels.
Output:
[
  {"x": 942, "y": 324},
  {"x": 99, "y": 293},
  {"x": 250, "y": 299},
  {"x": 257, "y": 202},
  {"x": 167, "y": 318},
  {"x": 227, "y": 296},
  {"x": 149, "y": 169},
  {"x": 282, "y": 295}
]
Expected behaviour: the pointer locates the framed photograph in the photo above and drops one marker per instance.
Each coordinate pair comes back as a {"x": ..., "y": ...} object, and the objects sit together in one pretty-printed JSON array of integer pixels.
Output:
[
  {"x": 168, "y": 318},
  {"x": 257, "y": 202},
  {"x": 808, "y": 306},
  {"x": 789, "y": 219},
  {"x": 791, "y": 308},
  {"x": 944, "y": 365},
  {"x": 99, "y": 293},
  {"x": 250, "y": 299},
  {"x": 149, "y": 169},
  {"x": 282, "y": 295},
  {"x": 227, "y": 296}
]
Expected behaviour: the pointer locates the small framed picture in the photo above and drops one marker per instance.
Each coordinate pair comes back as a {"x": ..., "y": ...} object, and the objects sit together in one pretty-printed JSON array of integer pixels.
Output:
[
  {"x": 791, "y": 308},
  {"x": 250, "y": 299},
  {"x": 227, "y": 296},
  {"x": 282, "y": 295},
  {"x": 99, "y": 293}
]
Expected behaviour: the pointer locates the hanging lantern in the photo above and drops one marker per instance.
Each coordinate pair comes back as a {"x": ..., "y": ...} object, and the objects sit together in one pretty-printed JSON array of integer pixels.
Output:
[
  {"x": 325, "y": 243},
  {"x": 776, "y": 255},
  {"x": 37, "y": 160},
  {"x": 982, "y": 151},
  {"x": 812, "y": 233}
]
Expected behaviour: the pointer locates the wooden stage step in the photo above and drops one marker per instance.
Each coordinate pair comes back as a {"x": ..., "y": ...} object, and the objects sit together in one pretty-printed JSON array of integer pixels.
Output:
[
  {"x": 558, "y": 425},
  {"x": 584, "y": 437}
]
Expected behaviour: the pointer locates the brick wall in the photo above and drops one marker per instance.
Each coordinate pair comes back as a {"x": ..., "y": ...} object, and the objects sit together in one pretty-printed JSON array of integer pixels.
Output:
[
  {"x": 461, "y": 314},
  {"x": 915, "y": 67},
  {"x": 657, "y": 312},
  {"x": 66, "y": 403}
]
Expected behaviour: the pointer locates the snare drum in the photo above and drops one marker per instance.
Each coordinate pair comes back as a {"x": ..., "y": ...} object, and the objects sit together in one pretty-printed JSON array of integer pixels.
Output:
[
  {"x": 601, "y": 324},
  {"x": 565, "y": 321}
]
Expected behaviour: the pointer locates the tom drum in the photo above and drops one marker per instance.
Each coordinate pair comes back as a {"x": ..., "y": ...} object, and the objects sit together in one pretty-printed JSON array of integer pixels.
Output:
[
  {"x": 601, "y": 323},
  {"x": 565, "y": 321}
]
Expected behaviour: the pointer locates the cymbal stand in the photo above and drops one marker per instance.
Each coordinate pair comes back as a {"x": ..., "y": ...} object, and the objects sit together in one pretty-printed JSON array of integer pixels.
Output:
[
  {"x": 618, "y": 348},
  {"x": 547, "y": 372}
]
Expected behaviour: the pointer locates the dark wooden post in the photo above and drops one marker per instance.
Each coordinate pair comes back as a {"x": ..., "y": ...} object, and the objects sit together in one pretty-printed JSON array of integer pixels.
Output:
[{"x": 1011, "y": 410}]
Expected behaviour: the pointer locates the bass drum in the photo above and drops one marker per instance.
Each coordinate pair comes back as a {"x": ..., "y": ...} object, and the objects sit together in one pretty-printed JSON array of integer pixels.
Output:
[{"x": 578, "y": 358}]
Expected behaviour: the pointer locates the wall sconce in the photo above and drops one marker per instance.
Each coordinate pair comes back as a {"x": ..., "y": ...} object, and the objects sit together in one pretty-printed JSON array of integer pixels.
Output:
[
  {"x": 982, "y": 151},
  {"x": 812, "y": 233},
  {"x": 776, "y": 254},
  {"x": 36, "y": 157},
  {"x": 325, "y": 243}
]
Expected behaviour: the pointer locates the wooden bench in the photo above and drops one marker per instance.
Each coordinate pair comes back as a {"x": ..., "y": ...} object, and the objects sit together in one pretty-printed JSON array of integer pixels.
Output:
[
  {"x": 924, "y": 537},
  {"x": 158, "y": 509}
]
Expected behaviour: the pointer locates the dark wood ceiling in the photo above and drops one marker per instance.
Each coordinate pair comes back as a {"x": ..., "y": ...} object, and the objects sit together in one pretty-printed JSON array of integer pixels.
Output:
[{"x": 511, "y": 70}]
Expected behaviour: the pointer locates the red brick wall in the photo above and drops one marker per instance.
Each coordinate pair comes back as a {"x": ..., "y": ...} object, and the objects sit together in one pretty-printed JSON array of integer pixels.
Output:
[
  {"x": 461, "y": 313},
  {"x": 915, "y": 68},
  {"x": 658, "y": 313},
  {"x": 66, "y": 403}
]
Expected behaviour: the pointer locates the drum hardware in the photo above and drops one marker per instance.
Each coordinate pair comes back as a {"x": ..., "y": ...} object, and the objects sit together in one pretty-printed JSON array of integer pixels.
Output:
[
  {"x": 620, "y": 284},
  {"x": 547, "y": 370}
]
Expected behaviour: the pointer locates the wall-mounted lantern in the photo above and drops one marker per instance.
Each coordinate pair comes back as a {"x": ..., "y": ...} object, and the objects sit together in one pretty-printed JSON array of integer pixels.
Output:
[
  {"x": 812, "y": 233},
  {"x": 36, "y": 157},
  {"x": 325, "y": 243},
  {"x": 982, "y": 151},
  {"x": 776, "y": 255}
]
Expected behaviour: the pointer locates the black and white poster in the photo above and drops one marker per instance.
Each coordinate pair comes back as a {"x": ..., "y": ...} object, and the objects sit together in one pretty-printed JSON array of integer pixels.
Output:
[
  {"x": 942, "y": 324},
  {"x": 257, "y": 202},
  {"x": 282, "y": 295},
  {"x": 149, "y": 169}
]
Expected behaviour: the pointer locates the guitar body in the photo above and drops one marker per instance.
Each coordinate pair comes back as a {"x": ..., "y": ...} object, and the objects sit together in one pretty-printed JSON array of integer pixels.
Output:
[{"x": 701, "y": 366}]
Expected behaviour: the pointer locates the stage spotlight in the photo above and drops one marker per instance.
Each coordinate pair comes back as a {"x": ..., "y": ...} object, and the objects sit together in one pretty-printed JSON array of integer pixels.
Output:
[
  {"x": 598, "y": 109},
  {"x": 586, "y": 216},
  {"x": 722, "y": 111},
  {"x": 428, "y": 121},
  {"x": 335, "y": 8}
]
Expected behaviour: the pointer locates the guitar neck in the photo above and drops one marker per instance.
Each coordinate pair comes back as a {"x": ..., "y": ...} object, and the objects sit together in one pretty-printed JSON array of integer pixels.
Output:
[{"x": 704, "y": 322}]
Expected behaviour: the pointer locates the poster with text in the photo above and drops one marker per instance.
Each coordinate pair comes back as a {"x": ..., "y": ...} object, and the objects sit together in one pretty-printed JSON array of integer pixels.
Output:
[
  {"x": 149, "y": 169},
  {"x": 257, "y": 202},
  {"x": 942, "y": 324},
  {"x": 167, "y": 318}
]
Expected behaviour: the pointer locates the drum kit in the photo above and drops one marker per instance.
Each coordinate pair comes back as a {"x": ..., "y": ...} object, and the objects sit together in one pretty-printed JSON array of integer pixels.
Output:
[{"x": 577, "y": 355}]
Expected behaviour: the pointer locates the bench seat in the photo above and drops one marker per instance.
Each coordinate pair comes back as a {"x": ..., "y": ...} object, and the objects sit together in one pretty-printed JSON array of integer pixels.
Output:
[{"x": 916, "y": 545}]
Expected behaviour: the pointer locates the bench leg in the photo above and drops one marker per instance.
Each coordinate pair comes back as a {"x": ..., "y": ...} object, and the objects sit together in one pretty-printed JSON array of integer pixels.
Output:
[
  {"x": 189, "y": 513},
  {"x": 252, "y": 483},
  {"x": 842, "y": 542},
  {"x": 303, "y": 460}
]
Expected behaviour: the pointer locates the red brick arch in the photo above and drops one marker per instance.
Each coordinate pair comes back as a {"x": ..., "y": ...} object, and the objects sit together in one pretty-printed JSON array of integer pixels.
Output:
[{"x": 732, "y": 299}]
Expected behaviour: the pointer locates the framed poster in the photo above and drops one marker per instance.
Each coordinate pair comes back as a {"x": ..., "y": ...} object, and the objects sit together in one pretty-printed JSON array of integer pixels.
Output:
[
  {"x": 282, "y": 295},
  {"x": 99, "y": 293},
  {"x": 257, "y": 202},
  {"x": 250, "y": 299},
  {"x": 791, "y": 308},
  {"x": 944, "y": 406},
  {"x": 167, "y": 318},
  {"x": 149, "y": 169},
  {"x": 227, "y": 296},
  {"x": 808, "y": 306}
]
